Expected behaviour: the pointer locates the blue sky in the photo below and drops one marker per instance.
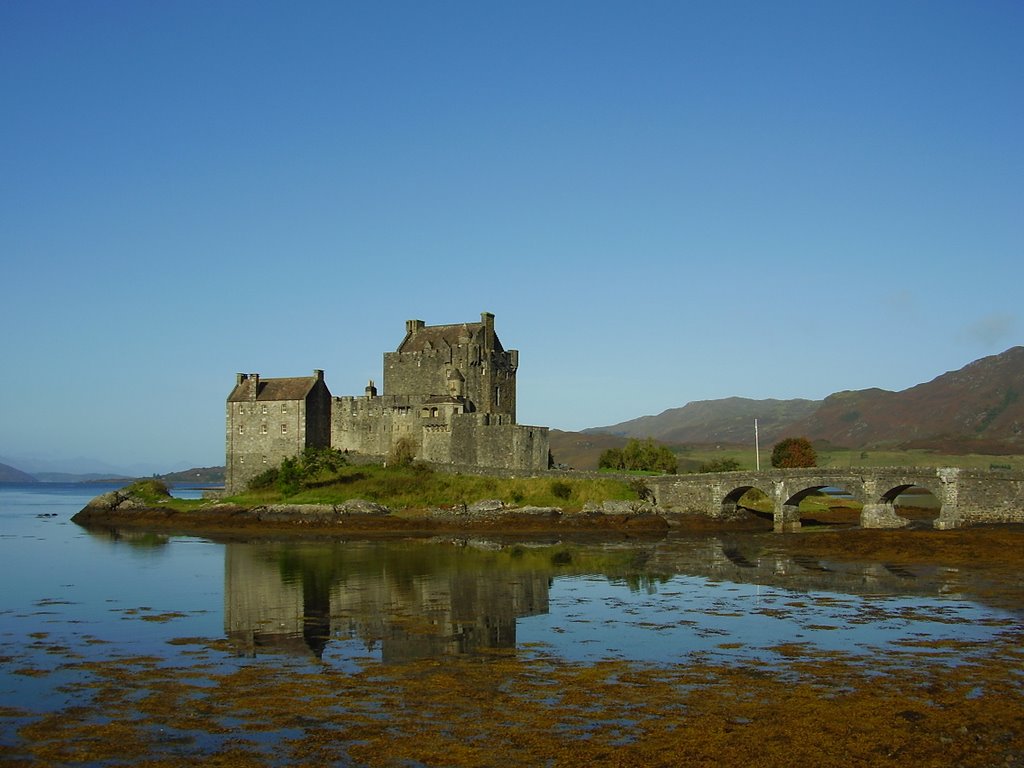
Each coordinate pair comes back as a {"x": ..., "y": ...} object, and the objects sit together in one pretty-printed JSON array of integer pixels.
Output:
[{"x": 661, "y": 202}]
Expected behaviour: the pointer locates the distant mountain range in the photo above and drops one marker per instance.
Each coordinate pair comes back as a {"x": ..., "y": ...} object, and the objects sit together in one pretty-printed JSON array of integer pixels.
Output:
[
  {"x": 199, "y": 475},
  {"x": 977, "y": 409},
  {"x": 9, "y": 474}
]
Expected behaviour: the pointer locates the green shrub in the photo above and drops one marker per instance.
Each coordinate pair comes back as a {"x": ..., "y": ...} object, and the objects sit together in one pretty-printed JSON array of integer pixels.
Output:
[
  {"x": 641, "y": 489},
  {"x": 719, "y": 465},
  {"x": 403, "y": 452},
  {"x": 289, "y": 477},
  {"x": 265, "y": 479},
  {"x": 300, "y": 471},
  {"x": 561, "y": 489},
  {"x": 640, "y": 456},
  {"x": 151, "y": 489}
]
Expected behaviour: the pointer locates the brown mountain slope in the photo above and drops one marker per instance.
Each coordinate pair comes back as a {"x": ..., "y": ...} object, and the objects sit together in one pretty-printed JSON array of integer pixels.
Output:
[
  {"x": 730, "y": 420},
  {"x": 580, "y": 451},
  {"x": 978, "y": 408}
]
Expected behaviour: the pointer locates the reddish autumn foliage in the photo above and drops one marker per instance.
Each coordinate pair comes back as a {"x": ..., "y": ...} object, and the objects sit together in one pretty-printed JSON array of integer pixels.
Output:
[{"x": 794, "y": 452}]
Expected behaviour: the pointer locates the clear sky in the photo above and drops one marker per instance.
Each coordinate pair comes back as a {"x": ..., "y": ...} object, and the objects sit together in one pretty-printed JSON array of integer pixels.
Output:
[{"x": 661, "y": 202}]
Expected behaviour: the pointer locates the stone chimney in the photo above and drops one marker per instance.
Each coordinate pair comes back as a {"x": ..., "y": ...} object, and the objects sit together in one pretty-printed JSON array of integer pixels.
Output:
[
  {"x": 487, "y": 320},
  {"x": 371, "y": 389},
  {"x": 411, "y": 326},
  {"x": 255, "y": 379}
]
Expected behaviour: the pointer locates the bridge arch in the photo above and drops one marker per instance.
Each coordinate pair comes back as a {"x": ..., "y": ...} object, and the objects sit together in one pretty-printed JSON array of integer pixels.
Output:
[
  {"x": 743, "y": 499},
  {"x": 913, "y": 502},
  {"x": 830, "y": 511}
]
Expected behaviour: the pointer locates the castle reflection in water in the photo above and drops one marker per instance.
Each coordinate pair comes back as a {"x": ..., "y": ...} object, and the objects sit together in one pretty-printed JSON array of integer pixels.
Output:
[{"x": 295, "y": 598}]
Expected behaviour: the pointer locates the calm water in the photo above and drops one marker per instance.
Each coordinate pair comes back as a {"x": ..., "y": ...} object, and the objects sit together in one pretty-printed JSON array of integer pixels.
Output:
[{"x": 67, "y": 592}]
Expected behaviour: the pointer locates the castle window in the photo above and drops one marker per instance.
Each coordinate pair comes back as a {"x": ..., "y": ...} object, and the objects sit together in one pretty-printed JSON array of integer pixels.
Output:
[
  {"x": 264, "y": 410},
  {"x": 241, "y": 408},
  {"x": 241, "y": 429},
  {"x": 263, "y": 429},
  {"x": 264, "y": 459},
  {"x": 284, "y": 407},
  {"x": 284, "y": 429}
]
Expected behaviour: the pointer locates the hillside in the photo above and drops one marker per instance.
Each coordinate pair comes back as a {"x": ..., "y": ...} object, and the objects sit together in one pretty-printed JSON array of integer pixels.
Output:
[
  {"x": 976, "y": 409},
  {"x": 197, "y": 475},
  {"x": 730, "y": 420},
  {"x": 579, "y": 450},
  {"x": 9, "y": 474}
]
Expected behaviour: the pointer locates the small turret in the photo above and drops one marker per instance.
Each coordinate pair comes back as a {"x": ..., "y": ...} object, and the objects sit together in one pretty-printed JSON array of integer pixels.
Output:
[{"x": 456, "y": 383}]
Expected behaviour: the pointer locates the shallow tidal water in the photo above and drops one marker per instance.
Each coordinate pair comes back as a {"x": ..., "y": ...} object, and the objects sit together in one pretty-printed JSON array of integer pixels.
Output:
[{"x": 74, "y": 603}]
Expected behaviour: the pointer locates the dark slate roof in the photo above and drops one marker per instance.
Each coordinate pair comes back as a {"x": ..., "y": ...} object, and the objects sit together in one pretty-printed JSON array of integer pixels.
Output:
[
  {"x": 440, "y": 336},
  {"x": 293, "y": 388}
]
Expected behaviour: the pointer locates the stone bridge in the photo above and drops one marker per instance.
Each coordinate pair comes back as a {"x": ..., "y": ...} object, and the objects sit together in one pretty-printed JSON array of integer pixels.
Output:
[{"x": 966, "y": 496}]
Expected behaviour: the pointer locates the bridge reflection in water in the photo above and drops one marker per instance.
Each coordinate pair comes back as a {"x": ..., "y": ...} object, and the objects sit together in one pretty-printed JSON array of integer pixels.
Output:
[{"x": 411, "y": 600}]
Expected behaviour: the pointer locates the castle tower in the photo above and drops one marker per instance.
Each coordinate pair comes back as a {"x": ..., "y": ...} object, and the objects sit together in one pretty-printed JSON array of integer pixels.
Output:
[{"x": 426, "y": 357}]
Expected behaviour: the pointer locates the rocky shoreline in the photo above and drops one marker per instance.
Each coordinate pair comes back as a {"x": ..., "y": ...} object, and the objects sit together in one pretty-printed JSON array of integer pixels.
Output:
[{"x": 122, "y": 508}]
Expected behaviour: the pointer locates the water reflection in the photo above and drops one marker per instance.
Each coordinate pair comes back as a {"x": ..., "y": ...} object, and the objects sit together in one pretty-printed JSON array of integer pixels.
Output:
[
  {"x": 407, "y": 600},
  {"x": 413, "y": 599}
]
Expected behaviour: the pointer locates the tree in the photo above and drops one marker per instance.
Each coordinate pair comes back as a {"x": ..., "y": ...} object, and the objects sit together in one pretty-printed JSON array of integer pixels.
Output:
[
  {"x": 640, "y": 455},
  {"x": 611, "y": 459},
  {"x": 719, "y": 465},
  {"x": 794, "y": 452}
]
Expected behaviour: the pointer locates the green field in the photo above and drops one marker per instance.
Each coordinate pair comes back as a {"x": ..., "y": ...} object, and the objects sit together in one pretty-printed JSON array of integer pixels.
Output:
[
  {"x": 419, "y": 487},
  {"x": 691, "y": 458}
]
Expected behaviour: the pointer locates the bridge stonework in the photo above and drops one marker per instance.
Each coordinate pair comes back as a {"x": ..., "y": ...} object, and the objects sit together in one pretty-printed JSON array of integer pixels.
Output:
[{"x": 966, "y": 496}]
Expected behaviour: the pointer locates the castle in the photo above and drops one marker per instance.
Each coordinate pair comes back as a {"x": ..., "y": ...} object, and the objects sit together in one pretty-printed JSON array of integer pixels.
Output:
[{"x": 450, "y": 390}]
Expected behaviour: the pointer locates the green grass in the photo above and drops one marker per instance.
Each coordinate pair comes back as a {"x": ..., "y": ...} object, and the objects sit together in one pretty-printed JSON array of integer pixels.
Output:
[
  {"x": 690, "y": 459},
  {"x": 417, "y": 487},
  {"x": 156, "y": 492}
]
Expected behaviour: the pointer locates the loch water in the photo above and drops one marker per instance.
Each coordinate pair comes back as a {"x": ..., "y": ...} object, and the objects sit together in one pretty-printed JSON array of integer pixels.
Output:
[{"x": 71, "y": 593}]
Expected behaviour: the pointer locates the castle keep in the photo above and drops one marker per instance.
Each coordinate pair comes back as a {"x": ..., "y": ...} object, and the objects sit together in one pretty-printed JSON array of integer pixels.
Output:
[{"x": 450, "y": 390}]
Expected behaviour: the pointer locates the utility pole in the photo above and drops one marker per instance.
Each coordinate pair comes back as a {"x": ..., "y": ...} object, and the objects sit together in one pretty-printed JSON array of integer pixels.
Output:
[{"x": 757, "y": 448}]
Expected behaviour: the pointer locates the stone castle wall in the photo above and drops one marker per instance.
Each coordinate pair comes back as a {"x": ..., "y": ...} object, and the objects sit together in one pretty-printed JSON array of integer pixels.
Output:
[
  {"x": 449, "y": 389},
  {"x": 372, "y": 425}
]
